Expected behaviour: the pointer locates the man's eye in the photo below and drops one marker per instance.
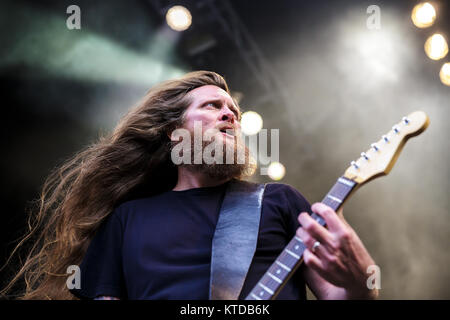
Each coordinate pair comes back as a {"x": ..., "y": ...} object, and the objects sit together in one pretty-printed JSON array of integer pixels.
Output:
[{"x": 217, "y": 105}]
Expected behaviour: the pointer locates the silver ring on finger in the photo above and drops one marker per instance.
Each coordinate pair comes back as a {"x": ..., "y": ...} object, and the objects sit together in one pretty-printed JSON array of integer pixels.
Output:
[{"x": 315, "y": 246}]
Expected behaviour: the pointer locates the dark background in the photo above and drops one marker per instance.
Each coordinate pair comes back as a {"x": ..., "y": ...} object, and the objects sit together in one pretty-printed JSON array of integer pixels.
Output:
[{"x": 312, "y": 69}]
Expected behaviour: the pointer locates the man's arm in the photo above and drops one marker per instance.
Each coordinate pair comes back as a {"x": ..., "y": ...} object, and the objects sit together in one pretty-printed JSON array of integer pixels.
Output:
[{"x": 337, "y": 268}]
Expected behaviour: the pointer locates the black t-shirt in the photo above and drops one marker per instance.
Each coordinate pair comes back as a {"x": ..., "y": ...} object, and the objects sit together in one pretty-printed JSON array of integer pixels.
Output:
[{"x": 160, "y": 247}]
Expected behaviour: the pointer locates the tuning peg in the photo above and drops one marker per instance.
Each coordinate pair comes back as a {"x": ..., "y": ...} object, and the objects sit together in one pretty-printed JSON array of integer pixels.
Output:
[
  {"x": 353, "y": 163},
  {"x": 395, "y": 128},
  {"x": 364, "y": 155},
  {"x": 385, "y": 137},
  {"x": 405, "y": 120},
  {"x": 374, "y": 145}
]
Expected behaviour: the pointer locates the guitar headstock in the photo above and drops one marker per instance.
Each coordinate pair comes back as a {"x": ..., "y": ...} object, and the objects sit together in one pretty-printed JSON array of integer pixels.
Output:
[{"x": 381, "y": 156}]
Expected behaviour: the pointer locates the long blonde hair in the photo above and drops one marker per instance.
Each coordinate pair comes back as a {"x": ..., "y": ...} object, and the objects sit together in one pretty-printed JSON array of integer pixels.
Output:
[{"x": 133, "y": 161}]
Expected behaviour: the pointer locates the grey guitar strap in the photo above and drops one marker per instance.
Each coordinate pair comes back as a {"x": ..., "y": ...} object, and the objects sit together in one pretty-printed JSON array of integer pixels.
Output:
[{"x": 235, "y": 238}]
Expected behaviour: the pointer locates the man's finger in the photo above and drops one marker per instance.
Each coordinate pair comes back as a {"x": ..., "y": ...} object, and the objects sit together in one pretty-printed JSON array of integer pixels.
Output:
[
  {"x": 313, "y": 228},
  {"x": 329, "y": 215},
  {"x": 312, "y": 261}
]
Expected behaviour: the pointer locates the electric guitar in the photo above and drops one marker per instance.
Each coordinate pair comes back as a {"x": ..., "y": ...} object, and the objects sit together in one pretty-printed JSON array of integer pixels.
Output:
[{"x": 375, "y": 162}]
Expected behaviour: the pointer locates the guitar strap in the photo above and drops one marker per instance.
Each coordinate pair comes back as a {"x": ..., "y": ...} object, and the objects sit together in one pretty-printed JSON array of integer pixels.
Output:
[{"x": 235, "y": 238}]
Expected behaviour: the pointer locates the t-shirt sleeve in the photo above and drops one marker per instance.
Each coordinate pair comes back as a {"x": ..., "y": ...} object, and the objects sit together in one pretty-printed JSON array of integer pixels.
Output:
[{"x": 101, "y": 269}]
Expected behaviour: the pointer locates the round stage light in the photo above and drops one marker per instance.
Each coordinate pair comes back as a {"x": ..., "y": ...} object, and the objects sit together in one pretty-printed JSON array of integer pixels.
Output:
[
  {"x": 251, "y": 123},
  {"x": 445, "y": 74},
  {"x": 276, "y": 171},
  {"x": 436, "y": 47},
  {"x": 178, "y": 18},
  {"x": 423, "y": 15}
]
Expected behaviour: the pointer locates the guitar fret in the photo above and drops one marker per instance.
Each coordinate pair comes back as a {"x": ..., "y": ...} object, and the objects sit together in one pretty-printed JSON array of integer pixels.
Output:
[
  {"x": 346, "y": 182},
  {"x": 265, "y": 288},
  {"x": 255, "y": 296},
  {"x": 332, "y": 204},
  {"x": 278, "y": 271},
  {"x": 296, "y": 256},
  {"x": 285, "y": 267},
  {"x": 274, "y": 278},
  {"x": 338, "y": 193},
  {"x": 288, "y": 259},
  {"x": 334, "y": 198}
]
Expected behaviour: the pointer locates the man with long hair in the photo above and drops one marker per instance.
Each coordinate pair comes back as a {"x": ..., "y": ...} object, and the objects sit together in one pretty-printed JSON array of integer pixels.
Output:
[{"x": 140, "y": 226}]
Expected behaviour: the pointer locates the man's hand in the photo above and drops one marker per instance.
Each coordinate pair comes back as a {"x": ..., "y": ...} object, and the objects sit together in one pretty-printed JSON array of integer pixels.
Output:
[{"x": 341, "y": 259}]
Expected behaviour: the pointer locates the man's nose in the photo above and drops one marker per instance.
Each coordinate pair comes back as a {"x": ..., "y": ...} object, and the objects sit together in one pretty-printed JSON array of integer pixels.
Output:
[{"x": 227, "y": 115}]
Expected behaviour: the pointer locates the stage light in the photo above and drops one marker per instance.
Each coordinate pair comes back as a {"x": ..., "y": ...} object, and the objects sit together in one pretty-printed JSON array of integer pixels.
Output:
[
  {"x": 276, "y": 171},
  {"x": 436, "y": 47},
  {"x": 423, "y": 15},
  {"x": 251, "y": 123},
  {"x": 178, "y": 18},
  {"x": 445, "y": 74}
]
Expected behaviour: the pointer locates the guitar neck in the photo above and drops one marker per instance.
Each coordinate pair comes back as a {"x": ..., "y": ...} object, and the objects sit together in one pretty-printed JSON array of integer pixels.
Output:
[
  {"x": 291, "y": 257},
  {"x": 375, "y": 162}
]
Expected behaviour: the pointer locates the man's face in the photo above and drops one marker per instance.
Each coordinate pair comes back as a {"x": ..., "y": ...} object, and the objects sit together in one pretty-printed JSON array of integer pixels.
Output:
[
  {"x": 215, "y": 109},
  {"x": 219, "y": 117}
]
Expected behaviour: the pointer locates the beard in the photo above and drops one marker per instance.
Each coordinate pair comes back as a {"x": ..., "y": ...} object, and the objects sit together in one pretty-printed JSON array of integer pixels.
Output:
[{"x": 222, "y": 158}]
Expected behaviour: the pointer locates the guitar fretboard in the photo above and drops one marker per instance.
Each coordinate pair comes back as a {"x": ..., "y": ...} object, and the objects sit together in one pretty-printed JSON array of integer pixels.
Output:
[{"x": 291, "y": 257}]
